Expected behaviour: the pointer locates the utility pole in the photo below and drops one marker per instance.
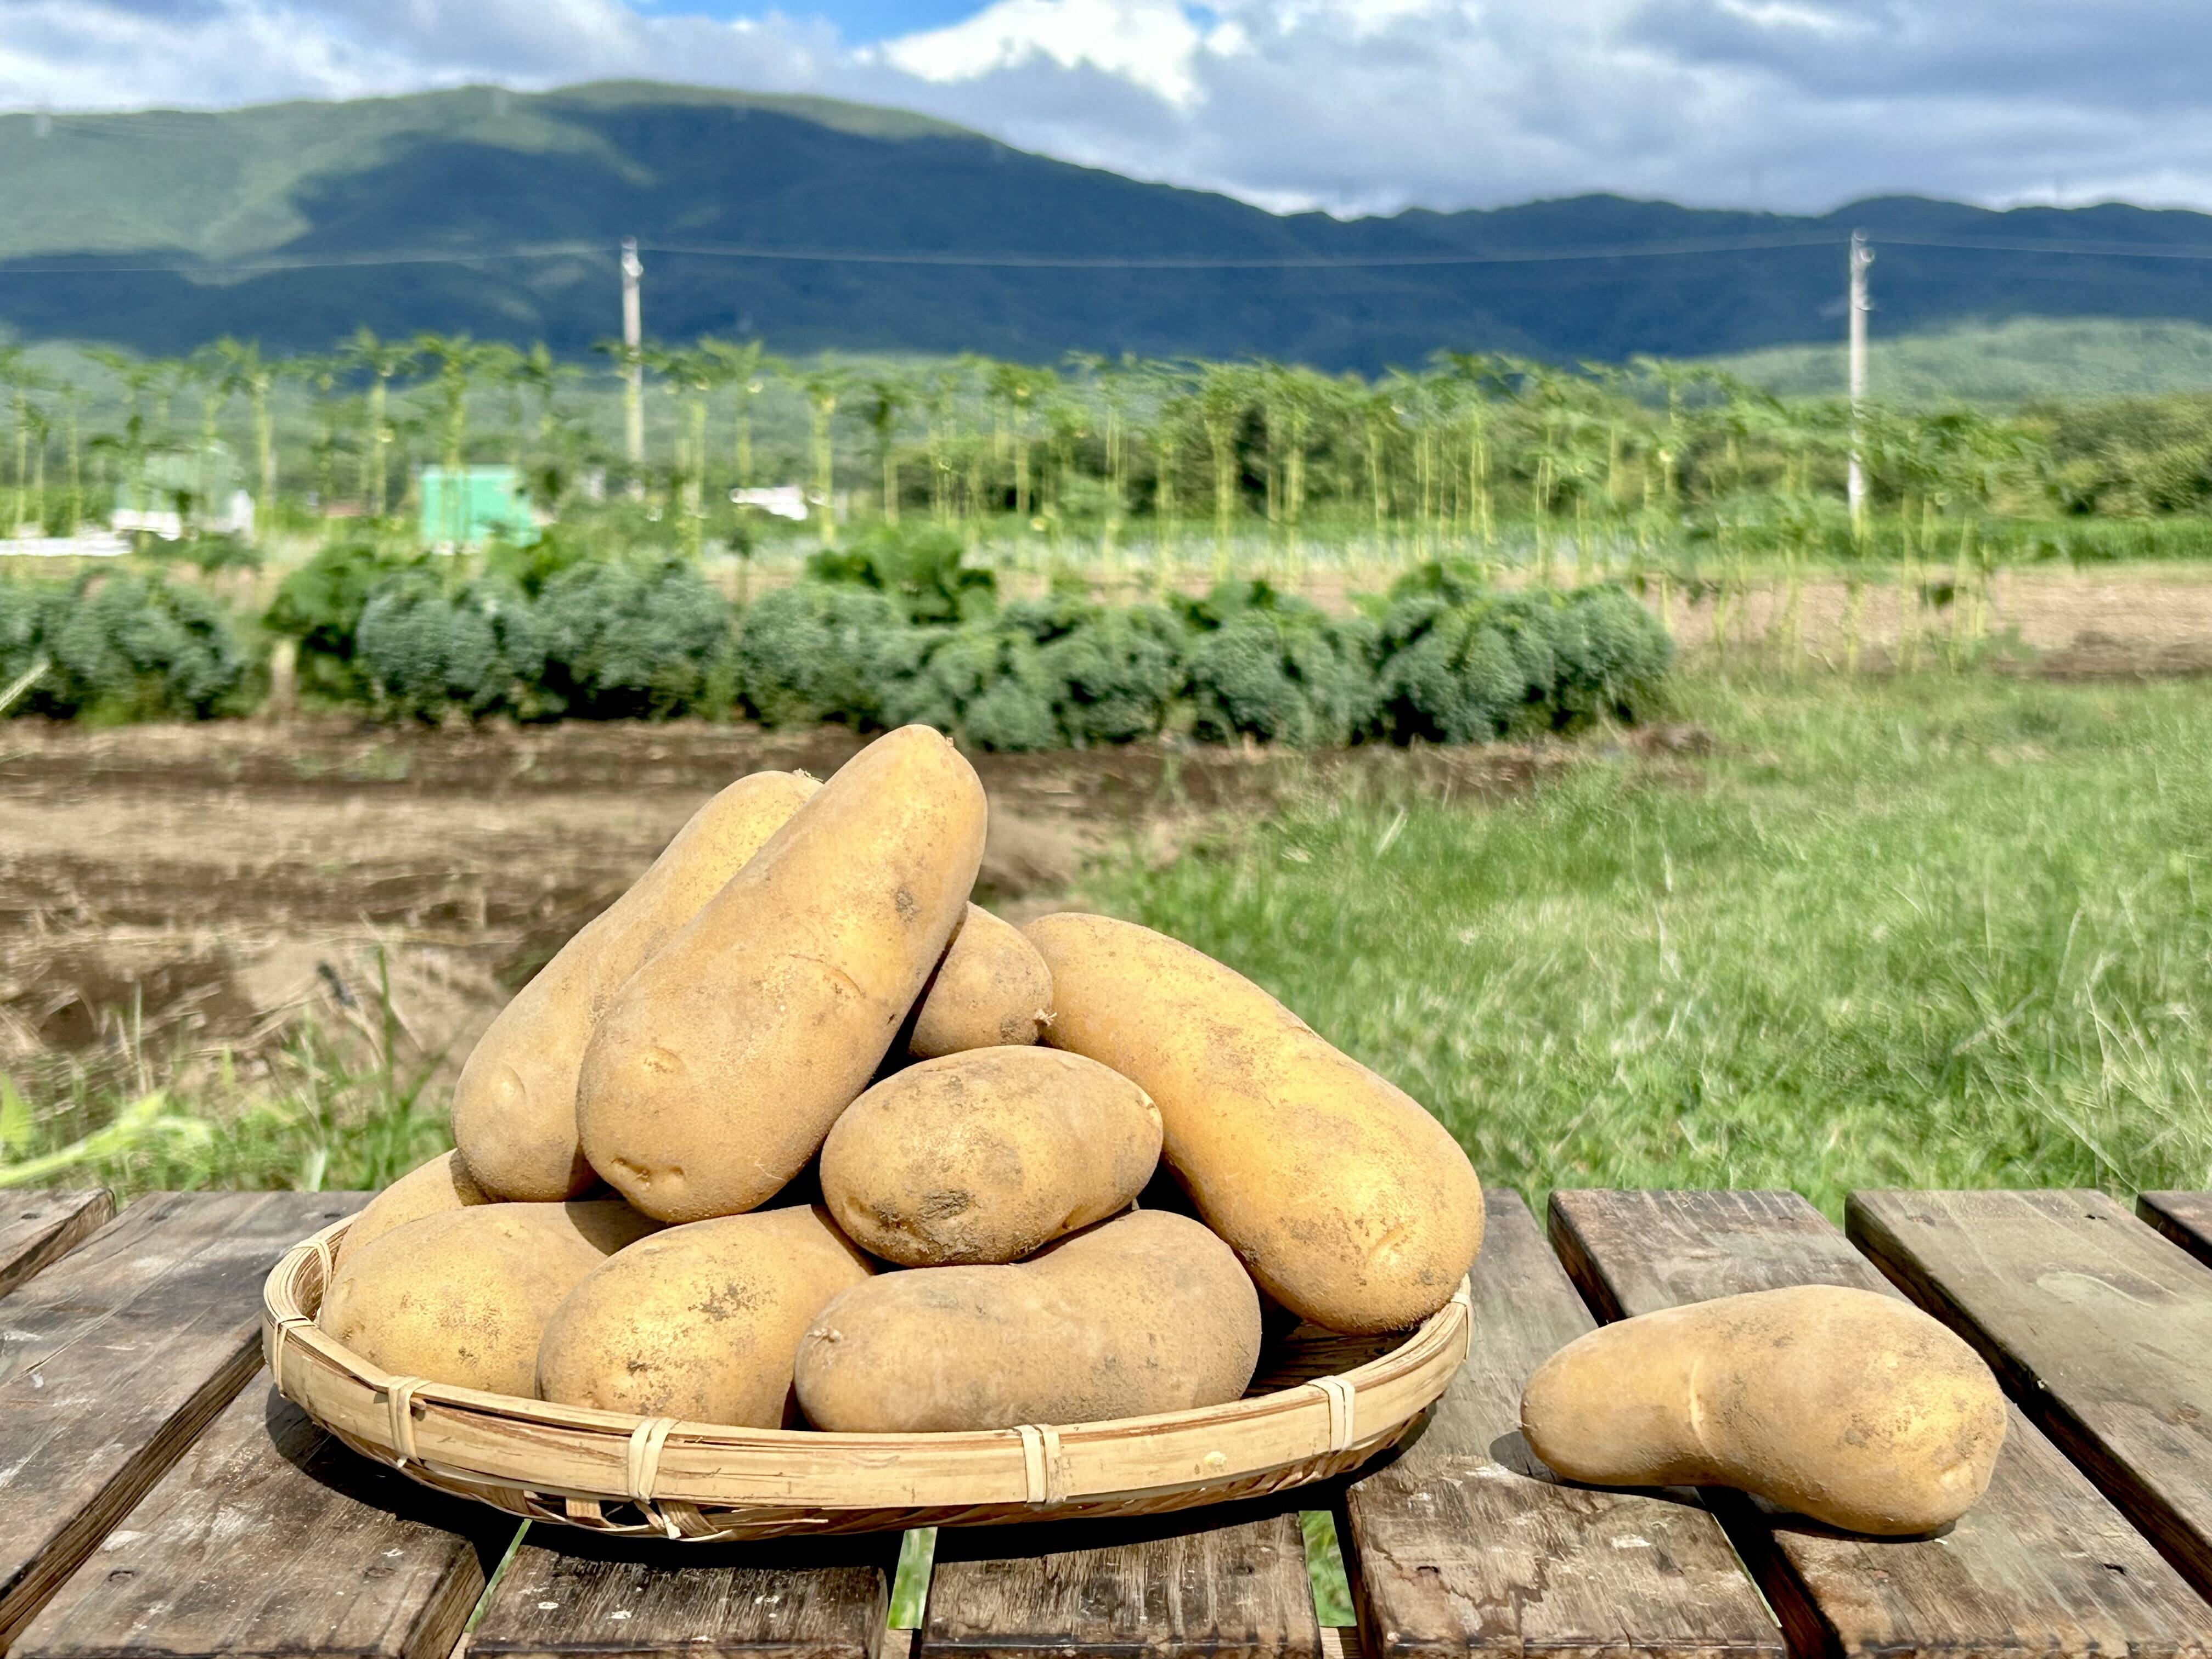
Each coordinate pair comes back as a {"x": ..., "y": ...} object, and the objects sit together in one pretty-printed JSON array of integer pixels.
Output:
[
  {"x": 1855, "y": 487},
  {"x": 633, "y": 363}
]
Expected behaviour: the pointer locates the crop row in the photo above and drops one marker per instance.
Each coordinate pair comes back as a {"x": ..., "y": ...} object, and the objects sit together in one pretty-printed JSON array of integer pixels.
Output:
[{"x": 872, "y": 640}]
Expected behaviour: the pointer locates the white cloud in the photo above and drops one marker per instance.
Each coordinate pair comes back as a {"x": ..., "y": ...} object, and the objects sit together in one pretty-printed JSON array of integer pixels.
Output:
[
  {"x": 1352, "y": 105},
  {"x": 1149, "y": 43}
]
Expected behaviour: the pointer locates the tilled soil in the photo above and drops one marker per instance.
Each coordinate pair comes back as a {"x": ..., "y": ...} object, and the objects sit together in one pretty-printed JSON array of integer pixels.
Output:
[{"x": 168, "y": 891}]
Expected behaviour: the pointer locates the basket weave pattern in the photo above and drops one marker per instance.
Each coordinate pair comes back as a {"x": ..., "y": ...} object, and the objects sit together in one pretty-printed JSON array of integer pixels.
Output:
[{"x": 611, "y": 1472}]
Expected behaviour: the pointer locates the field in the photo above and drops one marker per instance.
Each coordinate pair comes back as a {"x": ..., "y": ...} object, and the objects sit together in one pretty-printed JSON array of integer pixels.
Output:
[{"x": 1926, "y": 928}]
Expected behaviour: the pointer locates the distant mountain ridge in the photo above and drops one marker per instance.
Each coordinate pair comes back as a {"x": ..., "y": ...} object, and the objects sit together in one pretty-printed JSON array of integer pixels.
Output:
[{"x": 146, "y": 230}]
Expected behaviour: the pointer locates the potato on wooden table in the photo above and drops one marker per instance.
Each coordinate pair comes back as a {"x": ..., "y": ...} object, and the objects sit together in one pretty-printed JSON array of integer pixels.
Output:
[
  {"x": 1147, "y": 1313},
  {"x": 464, "y": 1297},
  {"x": 1851, "y": 1407},
  {"x": 1348, "y": 1203},
  {"x": 989, "y": 990},
  {"x": 431, "y": 1188},
  {"x": 514, "y": 1106},
  {"x": 700, "y": 1321},
  {"x": 719, "y": 1067},
  {"x": 986, "y": 1155}
]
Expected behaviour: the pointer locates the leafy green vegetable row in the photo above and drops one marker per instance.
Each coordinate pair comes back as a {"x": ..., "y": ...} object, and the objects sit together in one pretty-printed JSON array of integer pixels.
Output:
[{"x": 883, "y": 636}]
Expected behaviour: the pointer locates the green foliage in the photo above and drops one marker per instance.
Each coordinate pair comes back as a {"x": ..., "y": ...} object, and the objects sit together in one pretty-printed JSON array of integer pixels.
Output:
[
  {"x": 533, "y": 568},
  {"x": 985, "y": 684},
  {"x": 424, "y": 650},
  {"x": 121, "y": 646},
  {"x": 1458, "y": 665},
  {"x": 919, "y": 567},
  {"x": 623, "y": 640},
  {"x": 320, "y": 605},
  {"x": 821, "y": 650},
  {"x": 1113, "y": 675},
  {"x": 1276, "y": 668}
]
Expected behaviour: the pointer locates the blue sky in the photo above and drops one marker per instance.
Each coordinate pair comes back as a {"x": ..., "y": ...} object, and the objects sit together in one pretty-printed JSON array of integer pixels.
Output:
[{"x": 1353, "y": 106}]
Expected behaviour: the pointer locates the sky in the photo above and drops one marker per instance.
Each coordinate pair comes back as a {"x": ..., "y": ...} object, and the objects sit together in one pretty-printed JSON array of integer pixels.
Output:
[{"x": 1350, "y": 105}]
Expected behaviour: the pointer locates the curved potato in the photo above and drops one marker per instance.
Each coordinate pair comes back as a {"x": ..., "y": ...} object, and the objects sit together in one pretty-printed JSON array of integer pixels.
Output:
[
  {"x": 1147, "y": 1312},
  {"x": 514, "y": 1106},
  {"x": 986, "y": 1155},
  {"x": 431, "y": 1188},
  {"x": 463, "y": 1298},
  {"x": 718, "y": 1069},
  {"x": 1848, "y": 1406},
  {"x": 699, "y": 1322},
  {"x": 990, "y": 989},
  {"x": 1348, "y": 1203}
]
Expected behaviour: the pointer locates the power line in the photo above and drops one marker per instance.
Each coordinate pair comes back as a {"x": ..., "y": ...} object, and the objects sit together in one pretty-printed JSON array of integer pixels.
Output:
[{"x": 1000, "y": 260}]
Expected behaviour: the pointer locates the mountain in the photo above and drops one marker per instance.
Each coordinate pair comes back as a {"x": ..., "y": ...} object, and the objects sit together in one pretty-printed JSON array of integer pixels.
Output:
[{"x": 159, "y": 230}]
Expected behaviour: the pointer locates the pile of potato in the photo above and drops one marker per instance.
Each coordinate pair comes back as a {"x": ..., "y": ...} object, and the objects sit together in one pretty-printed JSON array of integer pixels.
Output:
[{"x": 850, "y": 1188}]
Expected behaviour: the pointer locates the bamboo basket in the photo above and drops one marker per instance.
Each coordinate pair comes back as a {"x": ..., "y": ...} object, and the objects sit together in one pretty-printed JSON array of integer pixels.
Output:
[{"x": 1322, "y": 1406}]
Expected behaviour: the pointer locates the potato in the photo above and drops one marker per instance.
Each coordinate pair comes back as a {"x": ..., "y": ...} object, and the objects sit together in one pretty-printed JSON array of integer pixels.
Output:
[
  {"x": 984, "y": 1155},
  {"x": 1348, "y": 1203},
  {"x": 431, "y": 1188},
  {"x": 1147, "y": 1312},
  {"x": 1852, "y": 1407},
  {"x": 991, "y": 988},
  {"x": 718, "y": 1069},
  {"x": 463, "y": 1298},
  {"x": 514, "y": 1106},
  {"x": 700, "y": 1321}
]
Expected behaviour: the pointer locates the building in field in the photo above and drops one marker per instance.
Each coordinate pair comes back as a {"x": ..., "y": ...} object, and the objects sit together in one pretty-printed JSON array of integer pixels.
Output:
[{"x": 475, "y": 505}]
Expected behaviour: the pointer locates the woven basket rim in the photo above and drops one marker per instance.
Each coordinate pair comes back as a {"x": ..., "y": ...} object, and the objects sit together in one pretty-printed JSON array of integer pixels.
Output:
[{"x": 505, "y": 1448}]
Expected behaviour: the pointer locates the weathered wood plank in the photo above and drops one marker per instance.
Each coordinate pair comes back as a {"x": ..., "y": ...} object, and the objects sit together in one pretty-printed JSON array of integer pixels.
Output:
[
  {"x": 2099, "y": 1328},
  {"x": 569, "y": 1593},
  {"x": 39, "y": 1229},
  {"x": 2044, "y": 1564},
  {"x": 269, "y": 1540},
  {"x": 114, "y": 1359},
  {"x": 1228, "y": 1582},
  {"x": 1466, "y": 1543},
  {"x": 2184, "y": 1217}
]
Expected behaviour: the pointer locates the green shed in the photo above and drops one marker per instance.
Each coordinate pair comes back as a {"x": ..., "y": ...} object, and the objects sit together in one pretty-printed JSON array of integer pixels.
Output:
[{"x": 469, "y": 507}]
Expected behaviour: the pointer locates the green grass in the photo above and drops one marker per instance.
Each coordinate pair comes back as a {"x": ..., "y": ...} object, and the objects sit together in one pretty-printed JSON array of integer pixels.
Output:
[
  {"x": 1925, "y": 932},
  {"x": 327, "y": 1112}
]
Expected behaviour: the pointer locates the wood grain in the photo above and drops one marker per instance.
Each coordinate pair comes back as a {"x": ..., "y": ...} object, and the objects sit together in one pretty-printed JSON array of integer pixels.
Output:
[
  {"x": 569, "y": 1593},
  {"x": 268, "y": 1539},
  {"x": 1465, "y": 1543},
  {"x": 39, "y": 1229},
  {"x": 2044, "y": 1564},
  {"x": 114, "y": 1359},
  {"x": 2098, "y": 1327},
  {"x": 2184, "y": 1217},
  {"x": 1229, "y": 1582}
]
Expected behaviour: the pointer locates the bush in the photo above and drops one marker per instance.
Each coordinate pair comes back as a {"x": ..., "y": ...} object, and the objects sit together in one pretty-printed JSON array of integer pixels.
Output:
[
  {"x": 120, "y": 647},
  {"x": 1277, "y": 668},
  {"x": 1114, "y": 675},
  {"x": 1457, "y": 666},
  {"x": 320, "y": 605},
  {"x": 984, "y": 684},
  {"x": 917, "y": 567},
  {"x": 423, "y": 650},
  {"x": 622, "y": 642},
  {"x": 820, "y": 651}
]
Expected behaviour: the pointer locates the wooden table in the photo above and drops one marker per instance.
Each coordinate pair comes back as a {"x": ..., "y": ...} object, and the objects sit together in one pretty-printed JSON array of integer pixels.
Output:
[{"x": 162, "y": 1501}]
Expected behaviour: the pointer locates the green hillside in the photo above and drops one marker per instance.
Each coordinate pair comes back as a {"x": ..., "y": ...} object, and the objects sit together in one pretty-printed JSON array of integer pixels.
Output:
[
  {"x": 820, "y": 225},
  {"x": 235, "y": 185},
  {"x": 2022, "y": 361}
]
